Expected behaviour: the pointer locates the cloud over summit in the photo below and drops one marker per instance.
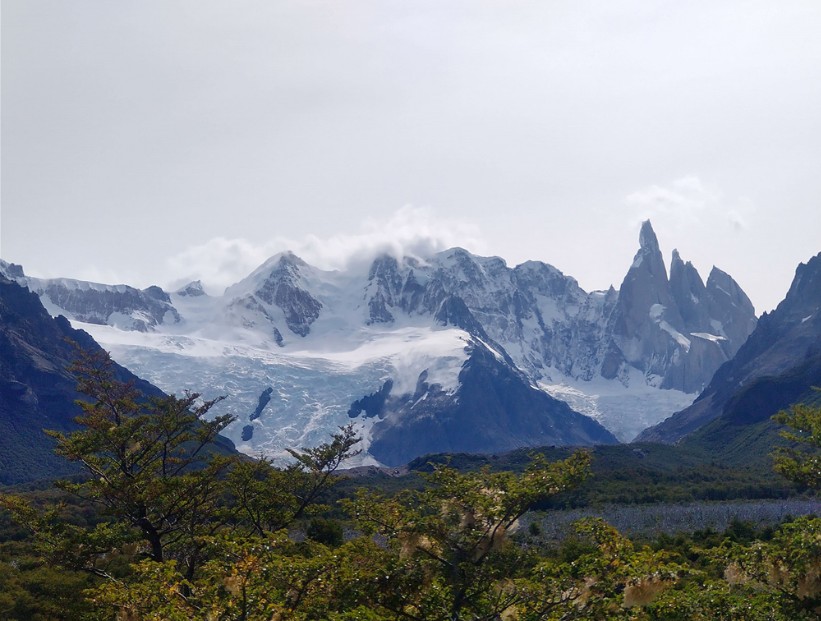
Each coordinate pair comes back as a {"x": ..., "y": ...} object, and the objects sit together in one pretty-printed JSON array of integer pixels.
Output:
[{"x": 409, "y": 231}]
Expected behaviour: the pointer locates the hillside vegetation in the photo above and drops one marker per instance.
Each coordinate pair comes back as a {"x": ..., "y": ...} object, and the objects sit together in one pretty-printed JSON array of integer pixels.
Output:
[{"x": 163, "y": 528}]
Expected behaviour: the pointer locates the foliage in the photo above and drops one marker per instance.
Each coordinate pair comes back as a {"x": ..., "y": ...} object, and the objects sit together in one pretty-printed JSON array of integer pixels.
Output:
[
  {"x": 325, "y": 531},
  {"x": 633, "y": 474},
  {"x": 804, "y": 428},
  {"x": 148, "y": 469},
  {"x": 450, "y": 554},
  {"x": 163, "y": 492},
  {"x": 32, "y": 589},
  {"x": 267, "y": 499},
  {"x": 609, "y": 578},
  {"x": 270, "y": 577},
  {"x": 789, "y": 566}
]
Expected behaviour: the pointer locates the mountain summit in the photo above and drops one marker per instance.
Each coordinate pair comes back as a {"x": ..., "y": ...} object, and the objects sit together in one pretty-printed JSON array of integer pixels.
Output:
[{"x": 676, "y": 331}]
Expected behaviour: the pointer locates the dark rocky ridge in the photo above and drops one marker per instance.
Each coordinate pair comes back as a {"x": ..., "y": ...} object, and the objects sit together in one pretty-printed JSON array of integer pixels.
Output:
[
  {"x": 37, "y": 391},
  {"x": 495, "y": 409},
  {"x": 777, "y": 366}
]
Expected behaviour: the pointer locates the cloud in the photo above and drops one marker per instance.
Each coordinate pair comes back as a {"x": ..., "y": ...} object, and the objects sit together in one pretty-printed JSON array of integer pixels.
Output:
[
  {"x": 685, "y": 199},
  {"x": 410, "y": 231},
  {"x": 218, "y": 262},
  {"x": 687, "y": 202}
]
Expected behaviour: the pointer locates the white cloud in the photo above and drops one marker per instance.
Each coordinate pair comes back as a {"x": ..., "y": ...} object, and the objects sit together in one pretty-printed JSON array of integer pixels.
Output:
[
  {"x": 218, "y": 262},
  {"x": 684, "y": 200},
  {"x": 410, "y": 231},
  {"x": 685, "y": 203}
]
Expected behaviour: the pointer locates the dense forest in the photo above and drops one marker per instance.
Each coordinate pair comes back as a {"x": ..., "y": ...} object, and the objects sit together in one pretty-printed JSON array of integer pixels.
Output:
[{"x": 164, "y": 526}]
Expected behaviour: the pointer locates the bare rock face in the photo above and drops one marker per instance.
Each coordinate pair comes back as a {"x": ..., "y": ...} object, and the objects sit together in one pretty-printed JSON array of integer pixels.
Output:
[
  {"x": 730, "y": 310},
  {"x": 385, "y": 282},
  {"x": 282, "y": 289},
  {"x": 119, "y": 305},
  {"x": 646, "y": 326},
  {"x": 11, "y": 270},
  {"x": 676, "y": 331},
  {"x": 194, "y": 289}
]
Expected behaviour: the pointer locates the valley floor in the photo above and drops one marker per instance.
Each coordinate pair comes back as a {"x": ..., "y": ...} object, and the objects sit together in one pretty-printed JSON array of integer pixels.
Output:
[{"x": 652, "y": 520}]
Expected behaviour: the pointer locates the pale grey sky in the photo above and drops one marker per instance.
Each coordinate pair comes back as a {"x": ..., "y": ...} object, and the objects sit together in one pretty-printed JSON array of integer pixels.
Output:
[{"x": 152, "y": 141}]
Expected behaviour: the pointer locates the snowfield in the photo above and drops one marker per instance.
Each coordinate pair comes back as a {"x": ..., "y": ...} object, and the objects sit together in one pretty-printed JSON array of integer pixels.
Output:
[{"x": 313, "y": 385}]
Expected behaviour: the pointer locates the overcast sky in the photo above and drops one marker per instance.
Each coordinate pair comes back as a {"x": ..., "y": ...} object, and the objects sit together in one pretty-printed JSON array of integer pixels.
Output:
[{"x": 156, "y": 141}]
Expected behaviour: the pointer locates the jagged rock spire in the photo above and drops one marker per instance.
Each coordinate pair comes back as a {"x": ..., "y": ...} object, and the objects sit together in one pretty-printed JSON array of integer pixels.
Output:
[{"x": 677, "y": 331}]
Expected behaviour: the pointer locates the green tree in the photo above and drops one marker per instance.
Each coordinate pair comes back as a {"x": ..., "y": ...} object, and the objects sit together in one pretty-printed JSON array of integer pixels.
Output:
[
  {"x": 449, "y": 555},
  {"x": 802, "y": 465},
  {"x": 266, "y": 499},
  {"x": 258, "y": 578},
  {"x": 605, "y": 577},
  {"x": 788, "y": 568},
  {"x": 170, "y": 504}
]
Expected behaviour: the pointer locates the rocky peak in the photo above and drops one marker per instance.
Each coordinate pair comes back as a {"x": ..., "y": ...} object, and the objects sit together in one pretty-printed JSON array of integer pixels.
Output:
[
  {"x": 288, "y": 258},
  {"x": 644, "y": 287},
  {"x": 803, "y": 300},
  {"x": 383, "y": 289},
  {"x": 459, "y": 265},
  {"x": 721, "y": 284},
  {"x": 11, "y": 270},
  {"x": 286, "y": 265},
  {"x": 157, "y": 292},
  {"x": 545, "y": 278},
  {"x": 688, "y": 293},
  {"x": 676, "y": 331},
  {"x": 647, "y": 238},
  {"x": 776, "y": 366},
  {"x": 117, "y": 305},
  {"x": 193, "y": 289},
  {"x": 283, "y": 287},
  {"x": 385, "y": 271},
  {"x": 649, "y": 254},
  {"x": 731, "y": 312}
]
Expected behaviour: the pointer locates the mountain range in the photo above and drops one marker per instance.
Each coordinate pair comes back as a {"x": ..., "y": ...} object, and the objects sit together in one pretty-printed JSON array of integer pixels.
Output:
[{"x": 449, "y": 352}]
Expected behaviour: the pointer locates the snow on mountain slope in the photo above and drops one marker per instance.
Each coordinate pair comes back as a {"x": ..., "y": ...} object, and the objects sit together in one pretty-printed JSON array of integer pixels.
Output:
[
  {"x": 626, "y": 410},
  {"x": 313, "y": 386}
]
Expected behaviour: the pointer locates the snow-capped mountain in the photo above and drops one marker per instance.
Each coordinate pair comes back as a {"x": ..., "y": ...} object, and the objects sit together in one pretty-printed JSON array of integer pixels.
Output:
[
  {"x": 299, "y": 350},
  {"x": 86, "y": 302}
]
